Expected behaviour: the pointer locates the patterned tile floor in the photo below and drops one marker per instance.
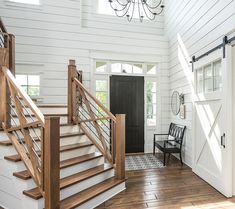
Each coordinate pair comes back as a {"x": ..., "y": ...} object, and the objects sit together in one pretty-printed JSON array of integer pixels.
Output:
[{"x": 141, "y": 162}]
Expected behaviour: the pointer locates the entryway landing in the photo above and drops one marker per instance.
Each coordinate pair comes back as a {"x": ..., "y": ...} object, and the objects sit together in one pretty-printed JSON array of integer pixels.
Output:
[{"x": 171, "y": 187}]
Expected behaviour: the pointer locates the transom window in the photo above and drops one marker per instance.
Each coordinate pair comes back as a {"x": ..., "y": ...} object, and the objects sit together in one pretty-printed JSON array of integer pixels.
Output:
[
  {"x": 209, "y": 78},
  {"x": 32, "y": 2},
  {"x": 103, "y": 7},
  {"x": 105, "y": 67},
  {"x": 30, "y": 83}
]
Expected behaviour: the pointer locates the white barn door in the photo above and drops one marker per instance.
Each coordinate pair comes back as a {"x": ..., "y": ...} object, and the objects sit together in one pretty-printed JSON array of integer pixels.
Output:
[{"x": 212, "y": 121}]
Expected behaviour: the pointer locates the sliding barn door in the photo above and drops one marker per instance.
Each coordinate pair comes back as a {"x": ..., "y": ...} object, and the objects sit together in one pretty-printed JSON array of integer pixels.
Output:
[{"x": 213, "y": 121}]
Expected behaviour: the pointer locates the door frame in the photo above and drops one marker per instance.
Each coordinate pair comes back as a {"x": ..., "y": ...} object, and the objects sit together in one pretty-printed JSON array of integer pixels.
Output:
[
  {"x": 148, "y": 130},
  {"x": 227, "y": 63}
]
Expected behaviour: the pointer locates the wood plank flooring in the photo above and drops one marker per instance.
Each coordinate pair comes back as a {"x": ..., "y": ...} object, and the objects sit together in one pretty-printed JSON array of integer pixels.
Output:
[{"x": 172, "y": 187}]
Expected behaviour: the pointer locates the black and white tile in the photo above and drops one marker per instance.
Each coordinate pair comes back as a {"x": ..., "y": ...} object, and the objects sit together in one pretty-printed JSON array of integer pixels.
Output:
[{"x": 141, "y": 162}]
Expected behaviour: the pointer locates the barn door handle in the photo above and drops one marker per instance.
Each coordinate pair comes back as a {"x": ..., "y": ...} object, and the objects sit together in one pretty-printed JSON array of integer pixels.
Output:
[{"x": 223, "y": 140}]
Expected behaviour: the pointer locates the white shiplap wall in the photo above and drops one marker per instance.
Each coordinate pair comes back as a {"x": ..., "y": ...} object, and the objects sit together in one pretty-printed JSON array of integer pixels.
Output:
[
  {"x": 193, "y": 27},
  {"x": 48, "y": 36}
]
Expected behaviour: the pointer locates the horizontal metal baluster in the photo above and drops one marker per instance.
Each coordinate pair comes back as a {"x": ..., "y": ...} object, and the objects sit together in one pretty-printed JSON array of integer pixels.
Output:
[
  {"x": 25, "y": 108},
  {"x": 21, "y": 141},
  {"x": 101, "y": 121},
  {"x": 106, "y": 139},
  {"x": 36, "y": 144}
]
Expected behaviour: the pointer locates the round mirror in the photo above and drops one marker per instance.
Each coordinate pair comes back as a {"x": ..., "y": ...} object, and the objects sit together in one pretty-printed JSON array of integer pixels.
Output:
[{"x": 175, "y": 102}]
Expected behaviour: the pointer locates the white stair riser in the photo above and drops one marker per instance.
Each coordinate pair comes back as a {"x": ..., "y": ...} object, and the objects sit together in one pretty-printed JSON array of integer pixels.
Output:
[
  {"x": 73, "y": 140},
  {"x": 7, "y": 201},
  {"x": 10, "y": 167},
  {"x": 46, "y": 110},
  {"x": 63, "y": 120},
  {"x": 30, "y": 203},
  {"x": 96, "y": 201},
  {"x": 81, "y": 167},
  {"x": 77, "y": 152},
  {"x": 86, "y": 184},
  {"x": 63, "y": 130}
]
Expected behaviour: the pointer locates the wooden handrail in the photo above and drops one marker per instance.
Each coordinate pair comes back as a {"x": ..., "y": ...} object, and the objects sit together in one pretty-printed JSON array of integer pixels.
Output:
[
  {"x": 42, "y": 161},
  {"x": 95, "y": 100},
  {"x": 23, "y": 94},
  {"x": 105, "y": 131}
]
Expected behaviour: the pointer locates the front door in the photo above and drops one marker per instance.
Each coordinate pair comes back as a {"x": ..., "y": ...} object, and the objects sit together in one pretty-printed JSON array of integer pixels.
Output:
[
  {"x": 127, "y": 97},
  {"x": 212, "y": 121}
]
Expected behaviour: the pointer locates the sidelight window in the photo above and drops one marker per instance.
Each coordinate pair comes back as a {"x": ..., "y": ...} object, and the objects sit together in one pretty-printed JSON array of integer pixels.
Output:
[
  {"x": 101, "y": 87},
  {"x": 151, "y": 103}
]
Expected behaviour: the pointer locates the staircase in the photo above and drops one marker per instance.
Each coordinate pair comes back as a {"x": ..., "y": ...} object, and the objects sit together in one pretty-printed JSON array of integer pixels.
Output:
[{"x": 57, "y": 156}]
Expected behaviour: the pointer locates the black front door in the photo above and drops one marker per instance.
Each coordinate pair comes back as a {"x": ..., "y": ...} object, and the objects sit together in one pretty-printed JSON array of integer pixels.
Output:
[{"x": 127, "y": 97}]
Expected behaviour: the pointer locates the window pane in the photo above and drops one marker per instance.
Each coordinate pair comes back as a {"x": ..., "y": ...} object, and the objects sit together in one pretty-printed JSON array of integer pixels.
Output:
[
  {"x": 208, "y": 78},
  {"x": 137, "y": 68},
  {"x": 151, "y": 120},
  {"x": 151, "y": 69},
  {"x": 105, "y": 8},
  {"x": 101, "y": 85},
  {"x": 25, "y": 88},
  {"x": 199, "y": 80},
  {"x": 116, "y": 68},
  {"x": 102, "y": 97},
  {"x": 101, "y": 67},
  {"x": 35, "y": 2},
  {"x": 151, "y": 109},
  {"x": 33, "y": 90},
  {"x": 22, "y": 80},
  {"x": 34, "y": 80},
  {"x": 151, "y": 86},
  {"x": 126, "y": 68},
  {"x": 217, "y": 75}
]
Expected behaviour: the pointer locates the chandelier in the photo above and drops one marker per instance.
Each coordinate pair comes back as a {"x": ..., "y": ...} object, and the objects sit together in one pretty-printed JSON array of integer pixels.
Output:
[{"x": 137, "y": 8}]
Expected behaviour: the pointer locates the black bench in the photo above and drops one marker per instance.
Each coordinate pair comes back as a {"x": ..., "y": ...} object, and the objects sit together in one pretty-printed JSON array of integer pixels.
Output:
[{"x": 173, "y": 143}]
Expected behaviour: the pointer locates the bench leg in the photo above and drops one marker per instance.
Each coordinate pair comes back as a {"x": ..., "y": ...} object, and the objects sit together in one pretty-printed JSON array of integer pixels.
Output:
[
  {"x": 164, "y": 161},
  {"x": 169, "y": 155},
  {"x": 153, "y": 146},
  {"x": 181, "y": 159}
]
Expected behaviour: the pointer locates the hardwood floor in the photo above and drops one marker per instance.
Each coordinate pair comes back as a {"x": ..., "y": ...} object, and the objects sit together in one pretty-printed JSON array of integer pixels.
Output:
[{"x": 172, "y": 187}]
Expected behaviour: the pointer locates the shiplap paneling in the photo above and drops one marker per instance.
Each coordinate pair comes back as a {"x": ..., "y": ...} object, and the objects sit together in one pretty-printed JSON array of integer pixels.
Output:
[
  {"x": 49, "y": 35},
  {"x": 200, "y": 25}
]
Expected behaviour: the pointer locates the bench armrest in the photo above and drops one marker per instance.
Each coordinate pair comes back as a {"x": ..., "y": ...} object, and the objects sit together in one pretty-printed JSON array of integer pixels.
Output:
[{"x": 159, "y": 135}]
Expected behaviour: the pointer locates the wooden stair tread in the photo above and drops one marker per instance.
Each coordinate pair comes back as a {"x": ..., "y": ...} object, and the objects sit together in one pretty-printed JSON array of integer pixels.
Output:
[
  {"x": 87, "y": 194},
  {"x": 71, "y": 180},
  {"x": 6, "y": 143},
  {"x": 17, "y": 158},
  {"x": 75, "y": 146},
  {"x": 25, "y": 175},
  {"x": 80, "y": 159},
  {"x": 65, "y": 163},
  {"x": 65, "y": 135}
]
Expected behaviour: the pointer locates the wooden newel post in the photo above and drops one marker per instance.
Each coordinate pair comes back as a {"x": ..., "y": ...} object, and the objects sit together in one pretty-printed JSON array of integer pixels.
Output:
[
  {"x": 120, "y": 145},
  {"x": 72, "y": 73},
  {"x": 4, "y": 100},
  {"x": 51, "y": 156},
  {"x": 12, "y": 54}
]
